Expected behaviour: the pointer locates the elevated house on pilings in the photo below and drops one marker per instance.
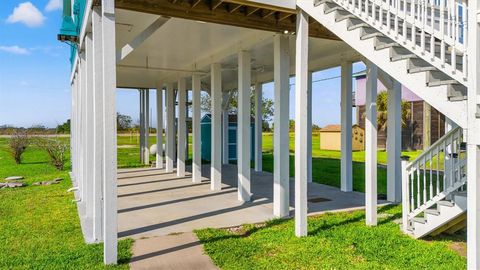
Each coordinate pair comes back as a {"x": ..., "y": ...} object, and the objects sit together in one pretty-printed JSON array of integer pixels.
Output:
[{"x": 430, "y": 47}]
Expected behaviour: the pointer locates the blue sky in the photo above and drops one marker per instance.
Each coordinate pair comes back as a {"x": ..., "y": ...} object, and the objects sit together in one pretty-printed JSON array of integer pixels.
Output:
[{"x": 35, "y": 71}]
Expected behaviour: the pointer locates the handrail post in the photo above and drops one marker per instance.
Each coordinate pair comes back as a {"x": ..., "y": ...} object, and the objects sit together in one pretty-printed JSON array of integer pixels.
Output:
[{"x": 405, "y": 194}]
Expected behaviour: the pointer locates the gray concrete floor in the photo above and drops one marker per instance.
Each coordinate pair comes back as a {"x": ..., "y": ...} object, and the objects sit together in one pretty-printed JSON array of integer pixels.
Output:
[{"x": 153, "y": 203}]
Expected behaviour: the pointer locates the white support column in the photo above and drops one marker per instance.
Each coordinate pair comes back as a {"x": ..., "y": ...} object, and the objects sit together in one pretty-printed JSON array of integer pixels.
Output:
[
  {"x": 146, "y": 151},
  {"x": 394, "y": 143},
  {"x": 301, "y": 111},
  {"x": 196, "y": 129},
  {"x": 258, "y": 127},
  {"x": 82, "y": 130},
  {"x": 98, "y": 123},
  {"x": 216, "y": 154},
  {"x": 225, "y": 127},
  {"x": 73, "y": 121},
  {"x": 182, "y": 127},
  {"x": 89, "y": 132},
  {"x": 243, "y": 126},
  {"x": 281, "y": 140},
  {"x": 141, "y": 128},
  {"x": 159, "y": 155},
  {"x": 346, "y": 123},
  {"x": 170, "y": 128},
  {"x": 309, "y": 128},
  {"x": 371, "y": 146},
  {"x": 110, "y": 133},
  {"x": 473, "y": 138}
]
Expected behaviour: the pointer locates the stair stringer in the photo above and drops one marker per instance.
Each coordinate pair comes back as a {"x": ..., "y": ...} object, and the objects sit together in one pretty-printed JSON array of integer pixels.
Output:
[
  {"x": 436, "y": 96},
  {"x": 447, "y": 214}
]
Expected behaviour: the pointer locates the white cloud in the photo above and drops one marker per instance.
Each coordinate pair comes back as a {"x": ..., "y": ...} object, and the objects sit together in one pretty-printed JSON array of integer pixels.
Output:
[
  {"x": 15, "y": 50},
  {"x": 27, "y": 14},
  {"x": 54, "y": 5}
]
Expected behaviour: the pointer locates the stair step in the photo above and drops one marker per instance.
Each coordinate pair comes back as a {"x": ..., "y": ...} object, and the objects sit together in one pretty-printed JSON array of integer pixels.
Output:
[
  {"x": 436, "y": 78},
  {"x": 457, "y": 92},
  {"x": 419, "y": 220},
  {"x": 434, "y": 212},
  {"x": 331, "y": 7},
  {"x": 369, "y": 32},
  {"x": 416, "y": 65},
  {"x": 400, "y": 53},
  {"x": 343, "y": 15},
  {"x": 446, "y": 203},
  {"x": 384, "y": 43},
  {"x": 354, "y": 23},
  {"x": 460, "y": 194},
  {"x": 317, "y": 3}
]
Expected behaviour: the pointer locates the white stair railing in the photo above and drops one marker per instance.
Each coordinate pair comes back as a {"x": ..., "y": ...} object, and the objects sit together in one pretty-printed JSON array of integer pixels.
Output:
[
  {"x": 433, "y": 175},
  {"x": 435, "y": 30}
]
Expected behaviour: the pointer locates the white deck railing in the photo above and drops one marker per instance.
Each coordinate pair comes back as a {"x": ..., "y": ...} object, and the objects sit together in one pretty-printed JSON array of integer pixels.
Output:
[
  {"x": 433, "y": 29},
  {"x": 433, "y": 175}
]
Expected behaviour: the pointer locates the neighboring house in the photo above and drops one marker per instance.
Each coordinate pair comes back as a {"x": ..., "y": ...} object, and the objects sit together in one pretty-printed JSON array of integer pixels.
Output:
[
  {"x": 331, "y": 139},
  {"x": 416, "y": 130}
]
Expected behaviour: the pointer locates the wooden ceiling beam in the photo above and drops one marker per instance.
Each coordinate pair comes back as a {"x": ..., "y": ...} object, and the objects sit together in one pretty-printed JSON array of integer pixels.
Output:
[
  {"x": 194, "y": 3},
  {"x": 233, "y": 7},
  {"x": 203, "y": 13},
  {"x": 267, "y": 13},
  {"x": 283, "y": 16},
  {"x": 251, "y": 10},
  {"x": 215, "y": 3}
]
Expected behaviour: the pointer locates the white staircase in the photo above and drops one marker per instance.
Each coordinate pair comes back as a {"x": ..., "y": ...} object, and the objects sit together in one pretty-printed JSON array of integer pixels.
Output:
[
  {"x": 402, "y": 39},
  {"x": 433, "y": 188}
]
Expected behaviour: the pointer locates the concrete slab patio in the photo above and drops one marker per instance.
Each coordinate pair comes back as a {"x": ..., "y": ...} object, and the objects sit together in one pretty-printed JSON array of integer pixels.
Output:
[{"x": 152, "y": 202}]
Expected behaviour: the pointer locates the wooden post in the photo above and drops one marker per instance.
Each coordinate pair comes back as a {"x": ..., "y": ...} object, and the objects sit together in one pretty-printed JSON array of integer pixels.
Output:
[
  {"x": 243, "y": 126},
  {"x": 159, "y": 155},
  {"x": 196, "y": 129},
  {"x": 110, "y": 133},
  {"x": 258, "y": 127},
  {"x": 181, "y": 126},
  {"x": 371, "y": 146},
  {"x": 346, "y": 126},
  {"x": 405, "y": 195},
  {"x": 216, "y": 155},
  {"x": 301, "y": 130},
  {"x": 394, "y": 143},
  {"x": 281, "y": 140},
  {"x": 170, "y": 128}
]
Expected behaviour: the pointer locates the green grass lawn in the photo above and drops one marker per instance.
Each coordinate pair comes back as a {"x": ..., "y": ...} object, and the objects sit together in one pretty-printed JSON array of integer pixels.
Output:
[
  {"x": 39, "y": 225},
  {"x": 325, "y": 163},
  {"x": 335, "y": 241}
]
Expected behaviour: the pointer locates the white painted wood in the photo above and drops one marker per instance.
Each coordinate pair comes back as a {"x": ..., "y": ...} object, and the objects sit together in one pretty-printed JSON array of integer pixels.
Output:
[
  {"x": 182, "y": 126},
  {"x": 82, "y": 130},
  {"x": 258, "y": 127},
  {"x": 98, "y": 126},
  {"x": 89, "y": 135},
  {"x": 437, "y": 96},
  {"x": 405, "y": 196},
  {"x": 371, "y": 145},
  {"x": 394, "y": 143},
  {"x": 141, "y": 128},
  {"x": 170, "y": 128},
  {"x": 301, "y": 110},
  {"x": 473, "y": 140},
  {"x": 159, "y": 155},
  {"x": 140, "y": 38},
  {"x": 346, "y": 178},
  {"x": 196, "y": 129},
  {"x": 225, "y": 150},
  {"x": 146, "y": 113},
  {"x": 281, "y": 140},
  {"x": 309, "y": 128},
  {"x": 110, "y": 133},
  {"x": 216, "y": 154},
  {"x": 243, "y": 126}
]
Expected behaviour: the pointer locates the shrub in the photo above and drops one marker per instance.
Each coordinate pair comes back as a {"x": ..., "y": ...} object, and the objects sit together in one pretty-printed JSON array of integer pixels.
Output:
[
  {"x": 18, "y": 144},
  {"x": 56, "y": 150}
]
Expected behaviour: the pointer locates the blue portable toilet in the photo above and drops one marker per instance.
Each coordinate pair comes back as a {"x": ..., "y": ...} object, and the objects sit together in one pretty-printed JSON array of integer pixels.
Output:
[{"x": 206, "y": 137}]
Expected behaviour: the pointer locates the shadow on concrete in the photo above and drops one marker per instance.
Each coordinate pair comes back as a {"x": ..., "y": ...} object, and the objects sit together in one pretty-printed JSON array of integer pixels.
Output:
[
  {"x": 190, "y": 218},
  {"x": 226, "y": 191},
  {"x": 162, "y": 189},
  {"x": 164, "y": 251},
  {"x": 153, "y": 181}
]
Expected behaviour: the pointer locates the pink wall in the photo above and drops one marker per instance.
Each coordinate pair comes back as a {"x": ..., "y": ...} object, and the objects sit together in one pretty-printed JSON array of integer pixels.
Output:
[{"x": 361, "y": 82}]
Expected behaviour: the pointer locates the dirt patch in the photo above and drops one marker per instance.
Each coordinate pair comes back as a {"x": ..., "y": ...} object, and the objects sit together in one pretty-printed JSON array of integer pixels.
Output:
[{"x": 459, "y": 247}]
